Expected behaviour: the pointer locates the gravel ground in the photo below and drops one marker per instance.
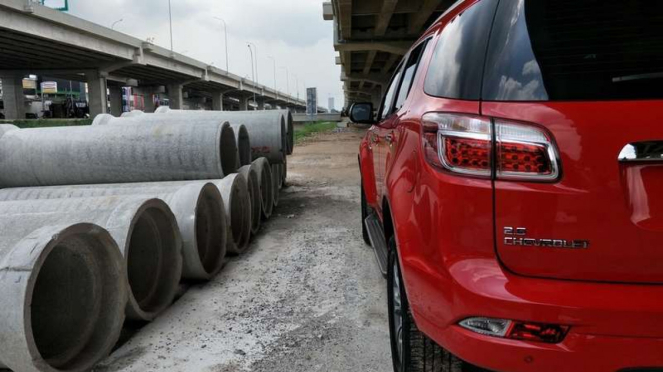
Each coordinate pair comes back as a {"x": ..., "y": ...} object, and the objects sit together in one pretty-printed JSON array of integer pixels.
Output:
[{"x": 307, "y": 296}]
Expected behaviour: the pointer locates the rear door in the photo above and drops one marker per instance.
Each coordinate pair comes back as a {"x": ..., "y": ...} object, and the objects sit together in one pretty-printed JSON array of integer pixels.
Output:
[{"x": 591, "y": 75}]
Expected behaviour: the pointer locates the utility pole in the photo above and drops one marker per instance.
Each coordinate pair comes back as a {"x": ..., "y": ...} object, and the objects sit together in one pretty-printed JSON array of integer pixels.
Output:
[{"x": 225, "y": 33}]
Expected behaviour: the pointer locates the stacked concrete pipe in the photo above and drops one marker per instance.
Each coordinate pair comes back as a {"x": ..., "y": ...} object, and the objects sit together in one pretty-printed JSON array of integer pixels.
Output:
[
  {"x": 276, "y": 181},
  {"x": 267, "y": 129},
  {"x": 108, "y": 154},
  {"x": 63, "y": 294},
  {"x": 146, "y": 233},
  {"x": 242, "y": 138},
  {"x": 197, "y": 206},
  {"x": 264, "y": 171},
  {"x": 235, "y": 194},
  {"x": 250, "y": 175}
]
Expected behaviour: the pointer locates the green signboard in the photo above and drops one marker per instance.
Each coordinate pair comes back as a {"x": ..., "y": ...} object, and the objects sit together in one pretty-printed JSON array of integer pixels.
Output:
[{"x": 63, "y": 8}]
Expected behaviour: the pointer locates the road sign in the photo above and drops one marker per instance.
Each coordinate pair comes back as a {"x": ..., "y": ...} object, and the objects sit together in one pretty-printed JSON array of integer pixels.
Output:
[{"x": 61, "y": 5}]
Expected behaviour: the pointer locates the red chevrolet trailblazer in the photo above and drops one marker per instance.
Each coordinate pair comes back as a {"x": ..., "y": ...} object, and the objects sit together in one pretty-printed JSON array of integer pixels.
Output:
[{"x": 512, "y": 188}]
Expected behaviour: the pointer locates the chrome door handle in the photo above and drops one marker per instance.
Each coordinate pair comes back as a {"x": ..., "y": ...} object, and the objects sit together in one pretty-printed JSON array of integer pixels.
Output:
[{"x": 642, "y": 151}]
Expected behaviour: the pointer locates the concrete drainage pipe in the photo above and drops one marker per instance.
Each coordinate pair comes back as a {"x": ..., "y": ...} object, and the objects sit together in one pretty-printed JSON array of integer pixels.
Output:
[
  {"x": 63, "y": 294},
  {"x": 267, "y": 129},
  {"x": 235, "y": 194},
  {"x": 290, "y": 130},
  {"x": 253, "y": 183},
  {"x": 264, "y": 172},
  {"x": 243, "y": 144},
  {"x": 145, "y": 231},
  {"x": 197, "y": 206},
  {"x": 108, "y": 154},
  {"x": 276, "y": 180}
]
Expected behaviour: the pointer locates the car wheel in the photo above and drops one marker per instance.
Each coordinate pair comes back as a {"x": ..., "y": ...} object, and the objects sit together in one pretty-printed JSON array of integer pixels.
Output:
[
  {"x": 411, "y": 350},
  {"x": 364, "y": 215}
]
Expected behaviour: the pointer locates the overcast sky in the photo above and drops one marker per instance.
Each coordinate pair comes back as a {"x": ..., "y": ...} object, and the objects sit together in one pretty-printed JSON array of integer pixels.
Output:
[{"x": 292, "y": 31}]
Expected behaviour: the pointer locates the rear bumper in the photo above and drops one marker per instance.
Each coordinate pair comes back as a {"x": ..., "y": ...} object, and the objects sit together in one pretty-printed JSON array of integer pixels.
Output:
[{"x": 613, "y": 327}]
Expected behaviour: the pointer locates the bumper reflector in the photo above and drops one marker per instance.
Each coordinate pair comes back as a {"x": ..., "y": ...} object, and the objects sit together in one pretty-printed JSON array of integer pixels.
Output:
[
  {"x": 487, "y": 326},
  {"x": 503, "y": 328}
]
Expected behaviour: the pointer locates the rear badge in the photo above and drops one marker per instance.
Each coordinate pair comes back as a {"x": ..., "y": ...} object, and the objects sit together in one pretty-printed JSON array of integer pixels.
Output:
[{"x": 517, "y": 236}]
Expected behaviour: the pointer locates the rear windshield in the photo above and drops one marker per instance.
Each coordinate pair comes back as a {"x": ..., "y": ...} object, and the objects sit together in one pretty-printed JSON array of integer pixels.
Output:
[{"x": 544, "y": 50}]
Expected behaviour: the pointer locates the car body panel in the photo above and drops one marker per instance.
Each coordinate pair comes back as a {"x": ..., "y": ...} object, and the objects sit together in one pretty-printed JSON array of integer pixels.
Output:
[{"x": 616, "y": 207}]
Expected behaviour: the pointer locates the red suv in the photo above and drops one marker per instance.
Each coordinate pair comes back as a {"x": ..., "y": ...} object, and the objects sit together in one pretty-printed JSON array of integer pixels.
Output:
[{"x": 512, "y": 187}]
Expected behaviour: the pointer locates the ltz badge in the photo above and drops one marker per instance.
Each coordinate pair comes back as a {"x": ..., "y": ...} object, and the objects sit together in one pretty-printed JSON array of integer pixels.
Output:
[{"x": 517, "y": 236}]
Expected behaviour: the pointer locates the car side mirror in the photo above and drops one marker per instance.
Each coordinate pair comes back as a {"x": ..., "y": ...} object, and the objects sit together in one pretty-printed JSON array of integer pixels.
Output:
[{"x": 362, "y": 113}]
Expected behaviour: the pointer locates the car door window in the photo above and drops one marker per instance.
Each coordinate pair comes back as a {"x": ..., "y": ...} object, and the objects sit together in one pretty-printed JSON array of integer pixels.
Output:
[
  {"x": 409, "y": 73},
  {"x": 389, "y": 97}
]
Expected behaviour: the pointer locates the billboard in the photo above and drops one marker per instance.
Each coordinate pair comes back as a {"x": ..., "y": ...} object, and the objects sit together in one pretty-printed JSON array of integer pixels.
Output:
[
  {"x": 49, "y": 87},
  {"x": 311, "y": 101}
]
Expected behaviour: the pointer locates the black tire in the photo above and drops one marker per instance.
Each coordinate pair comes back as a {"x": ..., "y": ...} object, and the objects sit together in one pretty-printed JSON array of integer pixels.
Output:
[
  {"x": 364, "y": 215},
  {"x": 418, "y": 353}
]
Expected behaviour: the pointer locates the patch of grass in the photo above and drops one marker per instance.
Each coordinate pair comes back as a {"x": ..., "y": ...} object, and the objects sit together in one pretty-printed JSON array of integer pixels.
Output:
[
  {"x": 45, "y": 123},
  {"x": 309, "y": 129}
]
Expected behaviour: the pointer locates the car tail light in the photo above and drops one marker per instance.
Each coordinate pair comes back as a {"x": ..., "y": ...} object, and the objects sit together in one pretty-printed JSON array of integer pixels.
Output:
[
  {"x": 515, "y": 330},
  {"x": 479, "y": 146}
]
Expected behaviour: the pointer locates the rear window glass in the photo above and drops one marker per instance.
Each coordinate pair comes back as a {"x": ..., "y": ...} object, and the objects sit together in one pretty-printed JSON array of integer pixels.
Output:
[
  {"x": 457, "y": 65},
  {"x": 544, "y": 50}
]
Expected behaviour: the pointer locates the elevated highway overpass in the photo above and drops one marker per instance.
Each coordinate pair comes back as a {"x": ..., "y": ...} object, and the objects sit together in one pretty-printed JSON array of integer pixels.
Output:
[
  {"x": 371, "y": 37},
  {"x": 39, "y": 40}
]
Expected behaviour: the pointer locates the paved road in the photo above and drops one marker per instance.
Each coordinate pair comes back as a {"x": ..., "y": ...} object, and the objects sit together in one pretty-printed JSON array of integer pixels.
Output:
[{"x": 307, "y": 296}]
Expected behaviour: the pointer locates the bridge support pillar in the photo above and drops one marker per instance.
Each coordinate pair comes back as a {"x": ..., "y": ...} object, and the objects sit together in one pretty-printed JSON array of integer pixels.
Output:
[
  {"x": 217, "y": 101},
  {"x": 115, "y": 100},
  {"x": 243, "y": 103},
  {"x": 13, "y": 97},
  {"x": 261, "y": 104},
  {"x": 97, "y": 97},
  {"x": 175, "y": 96}
]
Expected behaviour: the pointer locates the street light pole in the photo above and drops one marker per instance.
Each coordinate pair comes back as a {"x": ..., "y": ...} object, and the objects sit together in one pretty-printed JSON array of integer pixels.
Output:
[
  {"x": 254, "y": 81},
  {"x": 255, "y": 50},
  {"x": 225, "y": 33},
  {"x": 297, "y": 85},
  {"x": 287, "y": 80},
  {"x": 274, "y": 59},
  {"x": 170, "y": 17},
  {"x": 276, "y": 93},
  {"x": 116, "y": 22}
]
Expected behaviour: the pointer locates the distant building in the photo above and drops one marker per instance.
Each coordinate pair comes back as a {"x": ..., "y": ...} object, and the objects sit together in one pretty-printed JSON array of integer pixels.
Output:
[{"x": 331, "y": 104}]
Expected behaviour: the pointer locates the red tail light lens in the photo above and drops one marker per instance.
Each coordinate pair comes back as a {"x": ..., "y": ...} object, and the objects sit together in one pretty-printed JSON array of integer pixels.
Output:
[
  {"x": 458, "y": 143},
  {"x": 548, "y": 333},
  {"x": 464, "y": 144},
  {"x": 525, "y": 152},
  {"x": 515, "y": 330}
]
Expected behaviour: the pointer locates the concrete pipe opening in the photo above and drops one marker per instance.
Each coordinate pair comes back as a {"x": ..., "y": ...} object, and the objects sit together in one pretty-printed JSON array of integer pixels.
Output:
[
  {"x": 243, "y": 145},
  {"x": 228, "y": 150},
  {"x": 241, "y": 224},
  {"x": 264, "y": 172},
  {"x": 235, "y": 194},
  {"x": 76, "y": 305},
  {"x": 154, "y": 261},
  {"x": 284, "y": 138},
  {"x": 253, "y": 184},
  {"x": 291, "y": 132},
  {"x": 210, "y": 230},
  {"x": 276, "y": 179}
]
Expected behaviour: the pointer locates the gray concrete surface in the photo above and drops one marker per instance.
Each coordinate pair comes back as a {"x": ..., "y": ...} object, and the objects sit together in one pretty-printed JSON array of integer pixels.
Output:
[{"x": 306, "y": 296}]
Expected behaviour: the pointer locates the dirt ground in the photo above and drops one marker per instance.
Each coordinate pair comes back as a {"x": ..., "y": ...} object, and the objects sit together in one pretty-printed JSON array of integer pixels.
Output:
[{"x": 307, "y": 296}]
